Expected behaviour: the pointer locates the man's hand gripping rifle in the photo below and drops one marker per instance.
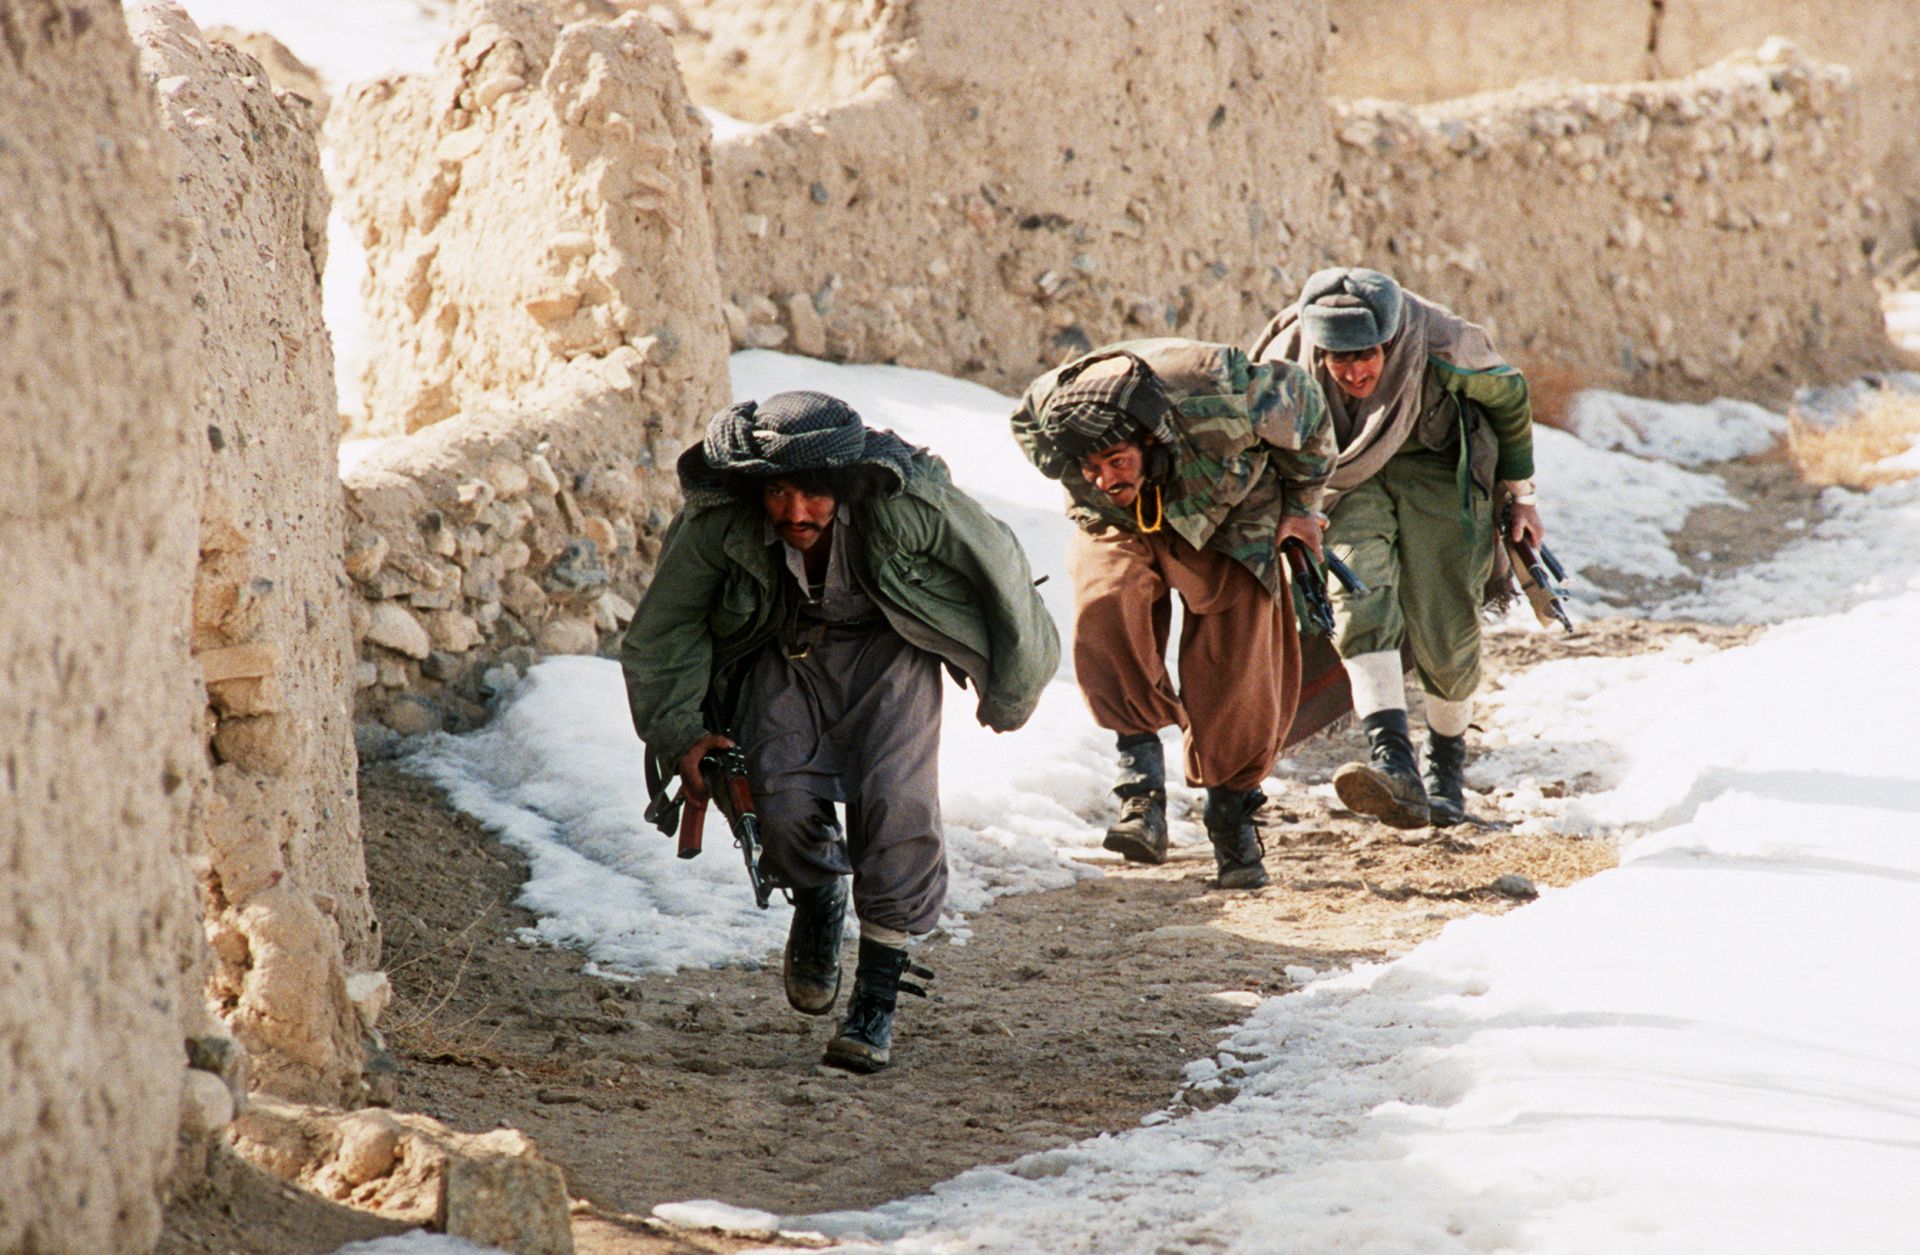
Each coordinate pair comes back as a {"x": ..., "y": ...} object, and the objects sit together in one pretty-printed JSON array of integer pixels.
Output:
[
  {"x": 1313, "y": 589},
  {"x": 725, "y": 773},
  {"x": 1539, "y": 573}
]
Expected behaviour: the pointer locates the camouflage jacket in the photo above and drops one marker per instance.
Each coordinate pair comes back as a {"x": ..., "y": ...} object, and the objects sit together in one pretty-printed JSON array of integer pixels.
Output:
[{"x": 1250, "y": 443}]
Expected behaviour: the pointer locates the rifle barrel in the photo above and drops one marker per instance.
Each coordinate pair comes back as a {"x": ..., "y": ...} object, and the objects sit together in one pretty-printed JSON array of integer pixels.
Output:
[{"x": 1553, "y": 563}]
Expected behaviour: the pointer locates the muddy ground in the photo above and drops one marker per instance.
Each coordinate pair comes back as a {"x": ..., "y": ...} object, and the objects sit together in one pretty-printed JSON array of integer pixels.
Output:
[{"x": 1067, "y": 1014}]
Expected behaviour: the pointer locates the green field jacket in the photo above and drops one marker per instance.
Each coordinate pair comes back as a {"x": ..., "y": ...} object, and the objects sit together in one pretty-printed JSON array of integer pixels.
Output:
[{"x": 948, "y": 576}]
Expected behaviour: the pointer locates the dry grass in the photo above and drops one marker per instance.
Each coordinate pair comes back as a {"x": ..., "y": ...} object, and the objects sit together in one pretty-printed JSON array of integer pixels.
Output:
[
  {"x": 418, "y": 1022},
  {"x": 1850, "y": 456},
  {"x": 1551, "y": 387}
]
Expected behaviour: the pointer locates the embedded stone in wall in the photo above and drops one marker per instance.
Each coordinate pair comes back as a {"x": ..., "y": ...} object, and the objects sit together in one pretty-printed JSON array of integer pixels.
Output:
[
  {"x": 493, "y": 1189},
  {"x": 1617, "y": 214},
  {"x": 517, "y": 530}
]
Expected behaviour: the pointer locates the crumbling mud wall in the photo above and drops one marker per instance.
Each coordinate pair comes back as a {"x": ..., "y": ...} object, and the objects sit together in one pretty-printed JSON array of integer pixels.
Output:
[
  {"x": 996, "y": 202},
  {"x": 1429, "y": 52},
  {"x": 536, "y": 220},
  {"x": 518, "y": 207},
  {"x": 757, "y": 60},
  {"x": 282, "y": 875},
  {"x": 101, "y": 765},
  {"x": 519, "y": 529},
  {"x": 1684, "y": 239}
]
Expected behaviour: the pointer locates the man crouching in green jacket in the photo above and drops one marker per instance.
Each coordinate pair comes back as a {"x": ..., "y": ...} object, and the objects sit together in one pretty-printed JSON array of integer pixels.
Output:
[{"x": 807, "y": 595}]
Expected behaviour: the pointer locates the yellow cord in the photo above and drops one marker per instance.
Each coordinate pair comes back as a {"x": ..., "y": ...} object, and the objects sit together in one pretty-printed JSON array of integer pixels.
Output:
[{"x": 1159, "y": 512}]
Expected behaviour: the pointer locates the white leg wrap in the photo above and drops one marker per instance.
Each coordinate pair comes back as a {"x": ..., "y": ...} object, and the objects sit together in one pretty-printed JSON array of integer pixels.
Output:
[
  {"x": 885, "y": 936},
  {"x": 1378, "y": 682},
  {"x": 1449, "y": 718}
]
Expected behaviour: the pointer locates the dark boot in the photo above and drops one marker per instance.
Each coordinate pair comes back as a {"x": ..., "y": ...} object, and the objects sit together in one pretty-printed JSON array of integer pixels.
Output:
[
  {"x": 1387, "y": 787},
  {"x": 1236, "y": 844},
  {"x": 811, "y": 964},
  {"x": 864, "y": 1042},
  {"x": 1140, "y": 834},
  {"x": 1446, "y": 760}
]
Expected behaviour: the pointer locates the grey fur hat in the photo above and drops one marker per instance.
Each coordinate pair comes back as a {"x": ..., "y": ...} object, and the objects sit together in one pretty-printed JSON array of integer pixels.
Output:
[{"x": 1347, "y": 309}]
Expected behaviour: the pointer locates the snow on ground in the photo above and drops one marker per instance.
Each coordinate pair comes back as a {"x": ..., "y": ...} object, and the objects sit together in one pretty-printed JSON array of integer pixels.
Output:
[
  {"x": 558, "y": 772},
  {"x": 1903, "y": 319},
  {"x": 1863, "y": 548},
  {"x": 1689, "y": 435},
  {"x": 1704, "y": 1050}
]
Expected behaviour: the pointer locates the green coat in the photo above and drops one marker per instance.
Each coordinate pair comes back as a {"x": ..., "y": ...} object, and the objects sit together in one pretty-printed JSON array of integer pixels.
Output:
[{"x": 949, "y": 577}]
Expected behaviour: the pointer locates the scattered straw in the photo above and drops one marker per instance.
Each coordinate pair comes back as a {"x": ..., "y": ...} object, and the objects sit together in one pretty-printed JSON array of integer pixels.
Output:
[
  {"x": 1855, "y": 455},
  {"x": 1551, "y": 387}
]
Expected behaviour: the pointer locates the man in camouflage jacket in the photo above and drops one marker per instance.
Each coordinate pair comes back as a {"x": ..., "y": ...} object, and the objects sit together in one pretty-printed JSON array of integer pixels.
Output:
[{"x": 1186, "y": 467}]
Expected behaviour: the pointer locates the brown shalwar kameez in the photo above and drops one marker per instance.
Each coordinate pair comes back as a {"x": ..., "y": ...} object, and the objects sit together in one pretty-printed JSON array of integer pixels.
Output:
[
  {"x": 1239, "y": 651},
  {"x": 845, "y": 710}
]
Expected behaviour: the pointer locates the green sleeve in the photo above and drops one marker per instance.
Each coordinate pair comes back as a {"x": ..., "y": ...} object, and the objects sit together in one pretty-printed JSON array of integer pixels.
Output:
[
  {"x": 1501, "y": 394},
  {"x": 1023, "y": 642},
  {"x": 667, "y": 653},
  {"x": 1290, "y": 413}
]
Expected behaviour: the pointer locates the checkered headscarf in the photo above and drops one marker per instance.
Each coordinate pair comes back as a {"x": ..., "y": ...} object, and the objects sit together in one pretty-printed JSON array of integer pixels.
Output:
[{"x": 1100, "y": 401}]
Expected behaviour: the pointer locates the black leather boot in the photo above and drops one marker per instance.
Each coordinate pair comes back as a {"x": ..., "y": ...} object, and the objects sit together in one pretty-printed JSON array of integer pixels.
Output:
[
  {"x": 864, "y": 1042},
  {"x": 1140, "y": 834},
  {"x": 1388, "y": 786},
  {"x": 1446, "y": 796},
  {"x": 1236, "y": 843},
  {"x": 811, "y": 964}
]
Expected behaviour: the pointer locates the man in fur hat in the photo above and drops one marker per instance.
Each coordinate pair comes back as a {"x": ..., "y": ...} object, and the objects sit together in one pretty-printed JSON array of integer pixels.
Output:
[
  {"x": 1435, "y": 431},
  {"x": 1186, "y": 467},
  {"x": 807, "y": 596}
]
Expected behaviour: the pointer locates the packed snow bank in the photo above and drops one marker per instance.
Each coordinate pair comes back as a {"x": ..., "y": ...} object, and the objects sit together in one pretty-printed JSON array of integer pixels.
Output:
[
  {"x": 1695, "y": 1052},
  {"x": 1689, "y": 435}
]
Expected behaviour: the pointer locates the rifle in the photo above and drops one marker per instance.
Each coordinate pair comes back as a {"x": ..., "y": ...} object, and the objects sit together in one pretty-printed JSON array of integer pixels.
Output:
[
  {"x": 1542, "y": 576},
  {"x": 1313, "y": 589},
  {"x": 725, "y": 773}
]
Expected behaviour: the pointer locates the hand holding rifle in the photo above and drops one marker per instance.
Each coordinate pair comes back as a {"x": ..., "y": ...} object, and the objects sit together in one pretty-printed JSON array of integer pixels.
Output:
[
  {"x": 1313, "y": 589},
  {"x": 1538, "y": 571},
  {"x": 713, "y": 769}
]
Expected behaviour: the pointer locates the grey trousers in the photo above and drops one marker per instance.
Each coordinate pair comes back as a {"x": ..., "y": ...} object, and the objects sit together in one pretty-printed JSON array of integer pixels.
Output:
[{"x": 856, "y": 720}]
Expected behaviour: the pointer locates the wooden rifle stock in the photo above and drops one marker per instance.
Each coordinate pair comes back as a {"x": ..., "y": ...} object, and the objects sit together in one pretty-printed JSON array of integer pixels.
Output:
[{"x": 693, "y": 824}]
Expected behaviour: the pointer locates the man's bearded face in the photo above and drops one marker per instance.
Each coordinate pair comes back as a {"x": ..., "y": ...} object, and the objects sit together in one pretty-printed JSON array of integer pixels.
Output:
[
  {"x": 1118, "y": 470},
  {"x": 801, "y": 518}
]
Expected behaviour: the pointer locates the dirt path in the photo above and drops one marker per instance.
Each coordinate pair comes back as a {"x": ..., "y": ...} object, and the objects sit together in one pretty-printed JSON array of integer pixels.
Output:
[{"x": 1067, "y": 1014}]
